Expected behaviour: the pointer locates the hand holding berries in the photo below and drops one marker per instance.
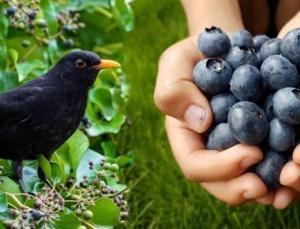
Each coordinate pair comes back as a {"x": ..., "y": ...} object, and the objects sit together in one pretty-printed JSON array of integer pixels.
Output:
[{"x": 192, "y": 113}]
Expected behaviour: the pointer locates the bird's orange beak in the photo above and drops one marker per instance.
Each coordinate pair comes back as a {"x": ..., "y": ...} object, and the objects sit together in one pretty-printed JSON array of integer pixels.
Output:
[{"x": 107, "y": 64}]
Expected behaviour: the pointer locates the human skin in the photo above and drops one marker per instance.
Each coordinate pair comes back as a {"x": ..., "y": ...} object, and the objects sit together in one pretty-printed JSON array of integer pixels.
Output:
[{"x": 188, "y": 113}]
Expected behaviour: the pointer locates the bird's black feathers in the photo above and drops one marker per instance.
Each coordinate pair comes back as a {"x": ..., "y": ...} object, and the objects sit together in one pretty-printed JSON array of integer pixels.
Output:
[{"x": 41, "y": 115}]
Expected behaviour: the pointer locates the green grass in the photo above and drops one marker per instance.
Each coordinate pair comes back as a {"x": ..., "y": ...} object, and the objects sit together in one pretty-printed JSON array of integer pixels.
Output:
[{"x": 160, "y": 195}]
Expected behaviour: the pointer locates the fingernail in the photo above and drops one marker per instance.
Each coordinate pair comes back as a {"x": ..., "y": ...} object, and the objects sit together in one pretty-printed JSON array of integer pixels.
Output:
[
  {"x": 248, "y": 161},
  {"x": 195, "y": 116},
  {"x": 248, "y": 195}
]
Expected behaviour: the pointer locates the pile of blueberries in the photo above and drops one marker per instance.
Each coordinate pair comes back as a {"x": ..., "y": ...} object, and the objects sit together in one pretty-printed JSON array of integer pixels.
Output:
[{"x": 253, "y": 86}]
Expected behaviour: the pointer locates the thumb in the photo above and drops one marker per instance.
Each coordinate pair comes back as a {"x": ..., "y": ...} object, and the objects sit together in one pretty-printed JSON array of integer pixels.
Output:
[{"x": 175, "y": 93}]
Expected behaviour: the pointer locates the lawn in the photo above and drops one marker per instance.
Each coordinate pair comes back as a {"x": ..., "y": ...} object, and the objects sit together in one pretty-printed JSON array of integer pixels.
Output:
[{"x": 160, "y": 195}]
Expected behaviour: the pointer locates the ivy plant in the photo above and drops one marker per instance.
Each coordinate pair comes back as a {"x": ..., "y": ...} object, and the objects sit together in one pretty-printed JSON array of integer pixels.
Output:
[{"x": 83, "y": 187}]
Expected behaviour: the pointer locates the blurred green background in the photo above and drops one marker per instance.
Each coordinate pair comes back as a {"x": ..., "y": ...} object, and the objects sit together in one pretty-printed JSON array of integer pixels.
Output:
[{"x": 160, "y": 195}]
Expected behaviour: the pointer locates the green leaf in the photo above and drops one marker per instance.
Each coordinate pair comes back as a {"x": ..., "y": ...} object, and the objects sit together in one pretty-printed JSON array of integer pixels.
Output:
[
  {"x": 57, "y": 169},
  {"x": 78, "y": 143},
  {"x": 109, "y": 148},
  {"x": 102, "y": 97},
  {"x": 101, "y": 127},
  {"x": 67, "y": 219},
  {"x": 29, "y": 175},
  {"x": 50, "y": 15},
  {"x": 3, "y": 51},
  {"x": 25, "y": 68},
  {"x": 63, "y": 153},
  {"x": 106, "y": 213},
  {"x": 8, "y": 185},
  {"x": 46, "y": 167},
  {"x": 7, "y": 167},
  {"x": 83, "y": 166},
  {"x": 3, "y": 202},
  {"x": 8, "y": 80},
  {"x": 123, "y": 14},
  {"x": 124, "y": 160},
  {"x": 3, "y": 24}
]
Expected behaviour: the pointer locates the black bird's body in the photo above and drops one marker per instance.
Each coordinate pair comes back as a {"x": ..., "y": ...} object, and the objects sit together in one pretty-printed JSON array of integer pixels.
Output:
[{"x": 41, "y": 115}]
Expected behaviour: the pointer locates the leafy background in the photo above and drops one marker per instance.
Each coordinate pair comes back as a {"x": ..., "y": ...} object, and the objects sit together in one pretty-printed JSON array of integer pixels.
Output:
[
  {"x": 160, "y": 196},
  {"x": 97, "y": 144}
]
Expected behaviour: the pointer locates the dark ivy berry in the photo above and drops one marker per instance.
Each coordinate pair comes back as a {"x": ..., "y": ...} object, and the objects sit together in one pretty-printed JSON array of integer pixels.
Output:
[
  {"x": 69, "y": 43},
  {"x": 32, "y": 15},
  {"x": 37, "y": 215},
  {"x": 11, "y": 11}
]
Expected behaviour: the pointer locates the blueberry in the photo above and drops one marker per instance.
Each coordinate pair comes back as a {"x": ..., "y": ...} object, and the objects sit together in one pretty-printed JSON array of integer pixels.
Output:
[
  {"x": 290, "y": 46},
  {"x": 248, "y": 122},
  {"x": 268, "y": 106},
  {"x": 220, "y": 105},
  {"x": 242, "y": 38},
  {"x": 269, "y": 48},
  {"x": 221, "y": 138},
  {"x": 270, "y": 167},
  {"x": 239, "y": 56},
  {"x": 286, "y": 105},
  {"x": 212, "y": 75},
  {"x": 259, "y": 40},
  {"x": 213, "y": 42},
  {"x": 278, "y": 73},
  {"x": 247, "y": 83},
  {"x": 281, "y": 135}
]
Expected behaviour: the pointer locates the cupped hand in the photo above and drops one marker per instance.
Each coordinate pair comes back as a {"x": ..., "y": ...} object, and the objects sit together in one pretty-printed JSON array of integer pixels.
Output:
[{"x": 187, "y": 114}]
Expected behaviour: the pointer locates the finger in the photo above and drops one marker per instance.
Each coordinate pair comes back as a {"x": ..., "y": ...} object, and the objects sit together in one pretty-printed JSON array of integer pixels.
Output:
[
  {"x": 290, "y": 175},
  {"x": 296, "y": 155},
  {"x": 175, "y": 93},
  {"x": 284, "y": 196},
  {"x": 266, "y": 199},
  {"x": 199, "y": 164},
  {"x": 291, "y": 24},
  {"x": 237, "y": 190}
]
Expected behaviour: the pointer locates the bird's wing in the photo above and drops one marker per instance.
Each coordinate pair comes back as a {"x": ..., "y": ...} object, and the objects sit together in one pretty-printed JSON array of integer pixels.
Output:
[{"x": 16, "y": 104}]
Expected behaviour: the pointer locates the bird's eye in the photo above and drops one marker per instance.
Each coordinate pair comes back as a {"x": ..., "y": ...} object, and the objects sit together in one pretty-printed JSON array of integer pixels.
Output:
[{"x": 80, "y": 63}]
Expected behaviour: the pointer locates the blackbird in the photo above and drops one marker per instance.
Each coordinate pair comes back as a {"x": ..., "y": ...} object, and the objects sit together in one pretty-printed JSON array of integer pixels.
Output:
[{"x": 41, "y": 115}]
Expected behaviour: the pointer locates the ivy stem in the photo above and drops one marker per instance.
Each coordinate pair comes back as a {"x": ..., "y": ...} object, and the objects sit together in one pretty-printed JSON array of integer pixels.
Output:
[
  {"x": 87, "y": 224},
  {"x": 15, "y": 199}
]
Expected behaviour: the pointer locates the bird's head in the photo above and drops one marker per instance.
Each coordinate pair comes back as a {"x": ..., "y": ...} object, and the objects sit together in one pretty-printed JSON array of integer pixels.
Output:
[{"x": 81, "y": 66}]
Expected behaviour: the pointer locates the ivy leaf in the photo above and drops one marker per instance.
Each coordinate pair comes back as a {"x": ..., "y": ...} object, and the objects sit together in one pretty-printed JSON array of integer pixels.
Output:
[
  {"x": 109, "y": 148},
  {"x": 102, "y": 98},
  {"x": 3, "y": 25},
  {"x": 25, "y": 68},
  {"x": 78, "y": 143},
  {"x": 8, "y": 80},
  {"x": 100, "y": 127},
  {"x": 3, "y": 202},
  {"x": 67, "y": 219},
  {"x": 83, "y": 170},
  {"x": 50, "y": 15},
  {"x": 29, "y": 175},
  {"x": 3, "y": 51},
  {"x": 123, "y": 14},
  {"x": 105, "y": 212},
  {"x": 8, "y": 185},
  {"x": 45, "y": 166}
]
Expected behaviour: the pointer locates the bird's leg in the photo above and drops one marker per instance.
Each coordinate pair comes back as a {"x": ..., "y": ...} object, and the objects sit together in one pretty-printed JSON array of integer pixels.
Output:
[{"x": 17, "y": 170}]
